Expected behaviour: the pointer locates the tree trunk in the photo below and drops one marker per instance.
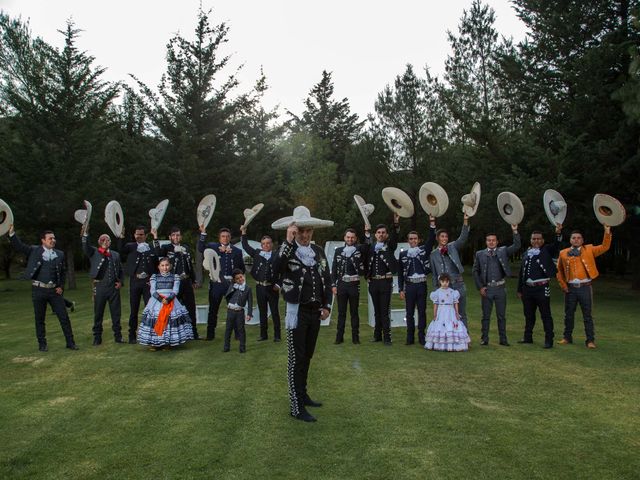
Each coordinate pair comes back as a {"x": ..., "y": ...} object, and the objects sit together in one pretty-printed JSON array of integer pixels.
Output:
[{"x": 71, "y": 272}]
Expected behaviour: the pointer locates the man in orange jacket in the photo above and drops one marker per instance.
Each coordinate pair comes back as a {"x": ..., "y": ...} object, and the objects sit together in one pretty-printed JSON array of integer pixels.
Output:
[{"x": 576, "y": 270}]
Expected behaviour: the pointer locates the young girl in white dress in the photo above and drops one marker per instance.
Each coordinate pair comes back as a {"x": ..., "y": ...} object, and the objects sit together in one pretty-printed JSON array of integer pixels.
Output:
[{"x": 446, "y": 332}]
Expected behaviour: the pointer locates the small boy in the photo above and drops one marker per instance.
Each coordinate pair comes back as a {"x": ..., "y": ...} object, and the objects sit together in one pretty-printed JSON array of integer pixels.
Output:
[{"x": 238, "y": 296}]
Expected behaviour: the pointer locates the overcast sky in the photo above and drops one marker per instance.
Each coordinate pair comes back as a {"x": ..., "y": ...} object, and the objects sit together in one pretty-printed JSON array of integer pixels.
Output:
[{"x": 365, "y": 43}]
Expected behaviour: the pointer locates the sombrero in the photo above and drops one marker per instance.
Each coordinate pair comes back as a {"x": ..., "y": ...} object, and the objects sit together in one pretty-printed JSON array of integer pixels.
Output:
[
  {"x": 250, "y": 213},
  {"x": 157, "y": 214},
  {"x": 555, "y": 207},
  {"x": 510, "y": 208},
  {"x": 433, "y": 199},
  {"x": 366, "y": 209},
  {"x": 6, "y": 217},
  {"x": 206, "y": 207},
  {"x": 114, "y": 217},
  {"x": 302, "y": 218},
  {"x": 608, "y": 210},
  {"x": 84, "y": 215},
  {"x": 211, "y": 263},
  {"x": 398, "y": 201},
  {"x": 471, "y": 200}
]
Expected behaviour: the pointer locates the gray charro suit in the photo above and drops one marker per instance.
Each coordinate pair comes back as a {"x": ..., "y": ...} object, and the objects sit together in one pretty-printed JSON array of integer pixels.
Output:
[
  {"x": 453, "y": 266},
  {"x": 490, "y": 269}
]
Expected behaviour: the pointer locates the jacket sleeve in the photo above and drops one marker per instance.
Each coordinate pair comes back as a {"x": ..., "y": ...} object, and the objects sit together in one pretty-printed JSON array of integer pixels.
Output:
[
  {"x": 248, "y": 248},
  {"x": 560, "y": 273},
  {"x": 393, "y": 239},
  {"x": 520, "y": 277},
  {"x": 241, "y": 264},
  {"x": 63, "y": 271},
  {"x": 17, "y": 245},
  {"x": 202, "y": 242},
  {"x": 401, "y": 273},
  {"x": 476, "y": 271},
  {"x": 431, "y": 240},
  {"x": 285, "y": 251},
  {"x": 328, "y": 292},
  {"x": 250, "y": 301},
  {"x": 86, "y": 247},
  {"x": 462, "y": 239},
  {"x": 157, "y": 249},
  {"x": 334, "y": 268},
  {"x": 553, "y": 248},
  {"x": 606, "y": 244},
  {"x": 515, "y": 246},
  {"x": 119, "y": 272}
]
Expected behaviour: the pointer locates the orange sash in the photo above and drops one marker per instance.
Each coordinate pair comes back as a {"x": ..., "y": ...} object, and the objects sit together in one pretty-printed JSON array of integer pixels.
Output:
[{"x": 163, "y": 317}]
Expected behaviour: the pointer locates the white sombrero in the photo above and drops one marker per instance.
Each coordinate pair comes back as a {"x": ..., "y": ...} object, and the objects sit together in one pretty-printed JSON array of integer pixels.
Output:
[
  {"x": 433, "y": 199},
  {"x": 211, "y": 263},
  {"x": 510, "y": 208},
  {"x": 6, "y": 217},
  {"x": 471, "y": 200},
  {"x": 157, "y": 214},
  {"x": 366, "y": 209},
  {"x": 555, "y": 207},
  {"x": 206, "y": 207},
  {"x": 84, "y": 215},
  {"x": 114, "y": 217},
  {"x": 250, "y": 213},
  {"x": 398, "y": 201},
  {"x": 302, "y": 218},
  {"x": 608, "y": 210}
]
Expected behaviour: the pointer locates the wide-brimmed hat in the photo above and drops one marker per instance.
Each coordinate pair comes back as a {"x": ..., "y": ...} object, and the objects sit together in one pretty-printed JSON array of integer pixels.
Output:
[
  {"x": 6, "y": 217},
  {"x": 211, "y": 263},
  {"x": 83, "y": 215},
  {"x": 205, "y": 210},
  {"x": 157, "y": 214},
  {"x": 302, "y": 218},
  {"x": 398, "y": 201},
  {"x": 250, "y": 213},
  {"x": 471, "y": 200},
  {"x": 555, "y": 207},
  {"x": 433, "y": 199},
  {"x": 510, "y": 208},
  {"x": 608, "y": 210},
  {"x": 366, "y": 209},
  {"x": 114, "y": 217}
]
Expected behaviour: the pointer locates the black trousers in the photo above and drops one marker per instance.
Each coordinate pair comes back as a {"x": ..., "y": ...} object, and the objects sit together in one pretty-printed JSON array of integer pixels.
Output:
[
  {"x": 348, "y": 295},
  {"x": 380, "y": 291},
  {"x": 187, "y": 297},
  {"x": 267, "y": 299},
  {"x": 138, "y": 288},
  {"x": 41, "y": 297},
  {"x": 582, "y": 296},
  {"x": 107, "y": 294},
  {"x": 497, "y": 295},
  {"x": 537, "y": 297},
  {"x": 415, "y": 295},
  {"x": 235, "y": 321},
  {"x": 217, "y": 290},
  {"x": 301, "y": 343}
]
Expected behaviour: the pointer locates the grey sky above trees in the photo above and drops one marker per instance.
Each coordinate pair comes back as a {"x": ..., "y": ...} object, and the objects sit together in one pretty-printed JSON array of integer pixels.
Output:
[{"x": 364, "y": 43}]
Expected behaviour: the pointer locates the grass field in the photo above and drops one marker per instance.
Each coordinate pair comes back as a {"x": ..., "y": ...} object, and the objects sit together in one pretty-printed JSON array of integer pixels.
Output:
[{"x": 120, "y": 411}]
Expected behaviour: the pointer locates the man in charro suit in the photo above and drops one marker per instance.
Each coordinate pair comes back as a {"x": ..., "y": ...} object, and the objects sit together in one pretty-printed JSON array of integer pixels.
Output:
[
  {"x": 47, "y": 270},
  {"x": 181, "y": 265},
  {"x": 537, "y": 269},
  {"x": 490, "y": 270},
  {"x": 412, "y": 281},
  {"x": 141, "y": 263},
  {"x": 349, "y": 262},
  {"x": 267, "y": 289},
  {"x": 106, "y": 273},
  {"x": 576, "y": 271}
]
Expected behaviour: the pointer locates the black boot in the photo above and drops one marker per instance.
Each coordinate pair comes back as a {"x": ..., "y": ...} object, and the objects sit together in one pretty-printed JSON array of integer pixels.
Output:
[
  {"x": 97, "y": 340},
  {"x": 304, "y": 416},
  {"x": 43, "y": 347}
]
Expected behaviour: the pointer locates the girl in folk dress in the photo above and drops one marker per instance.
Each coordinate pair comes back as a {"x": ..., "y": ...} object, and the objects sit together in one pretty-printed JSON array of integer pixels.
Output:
[
  {"x": 446, "y": 332},
  {"x": 165, "y": 321}
]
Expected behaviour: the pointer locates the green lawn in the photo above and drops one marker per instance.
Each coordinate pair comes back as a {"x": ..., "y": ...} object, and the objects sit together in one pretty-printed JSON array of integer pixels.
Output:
[{"x": 120, "y": 411}]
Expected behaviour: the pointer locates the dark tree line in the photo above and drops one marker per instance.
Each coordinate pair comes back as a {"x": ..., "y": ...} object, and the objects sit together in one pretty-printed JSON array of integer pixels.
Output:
[{"x": 560, "y": 110}]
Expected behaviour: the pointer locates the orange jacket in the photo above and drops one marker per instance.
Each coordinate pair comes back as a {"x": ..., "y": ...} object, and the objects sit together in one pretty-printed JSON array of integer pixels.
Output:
[{"x": 588, "y": 257}]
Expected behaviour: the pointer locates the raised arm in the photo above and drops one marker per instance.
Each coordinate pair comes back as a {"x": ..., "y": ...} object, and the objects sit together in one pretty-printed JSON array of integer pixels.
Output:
[
  {"x": 248, "y": 248},
  {"x": 606, "y": 242},
  {"x": 515, "y": 246},
  {"x": 464, "y": 233}
]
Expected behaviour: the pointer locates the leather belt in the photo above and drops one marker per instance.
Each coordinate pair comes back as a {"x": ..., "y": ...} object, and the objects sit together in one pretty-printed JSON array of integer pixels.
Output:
[
  {"x": 579, "y": 285},
  {"x": 416, "y": 280},
  {"x": 350, "y": 278},
  {"x": 538, "y": 283},
  {"x": 264, "y": 284},
  {"x": 183, "y": 276},
  {"x": 499, "y": 283},
  {"x": 235, "y": 309},
  {"x": 382, "y": 277},
  {"x": 141, "y": 276},
  {"x": 49, "y": 285}
]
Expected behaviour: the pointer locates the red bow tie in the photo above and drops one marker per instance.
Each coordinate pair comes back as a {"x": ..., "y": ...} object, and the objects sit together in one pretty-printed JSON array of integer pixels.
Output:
[
  {"x": 444, "y": 250},
  {"x": 104, "y": 252}
]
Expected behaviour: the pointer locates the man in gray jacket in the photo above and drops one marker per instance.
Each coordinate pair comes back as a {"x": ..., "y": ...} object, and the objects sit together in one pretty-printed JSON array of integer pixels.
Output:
[
  {"x": 105, "y": 270},
  {"x": 446, "y": 259},
  {"x": 490, "y": 269}
]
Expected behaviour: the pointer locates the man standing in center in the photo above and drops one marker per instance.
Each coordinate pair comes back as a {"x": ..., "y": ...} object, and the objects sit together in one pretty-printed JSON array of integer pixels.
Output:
[
  {"x": 382, "y": 266},
  {"x": 490, "y": 269},
  {"x": 306, "y": 287},
  {"x": 230, "y": 259},
  {"x": 412, "y": 281},
  {"x": 349, "y": 263}
]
